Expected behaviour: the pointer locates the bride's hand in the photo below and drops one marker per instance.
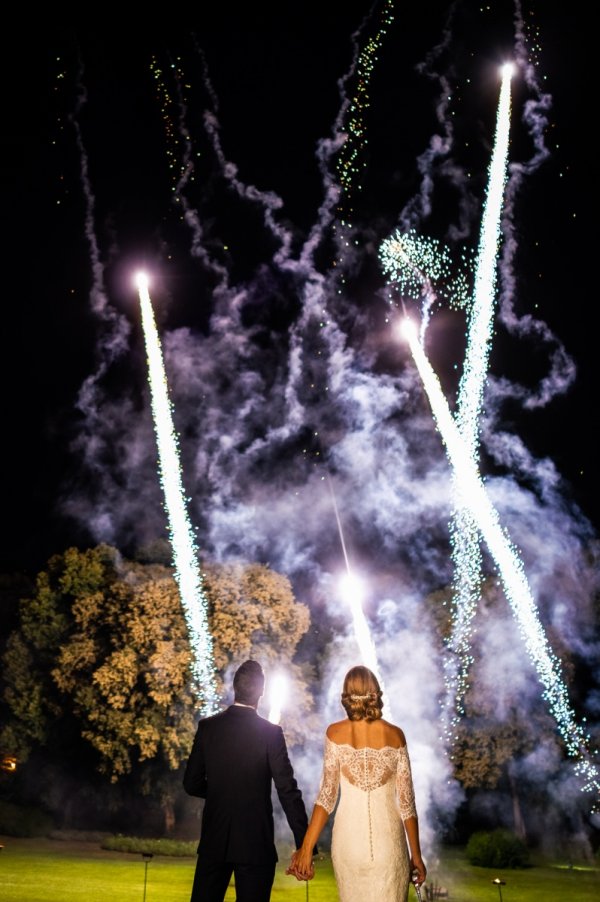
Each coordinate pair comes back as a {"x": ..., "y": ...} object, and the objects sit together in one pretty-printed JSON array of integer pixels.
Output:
[
  {"x": 301, "y": 866},
  {"x": 418, "y": 865},
  {"x": 292, "y": 870}
]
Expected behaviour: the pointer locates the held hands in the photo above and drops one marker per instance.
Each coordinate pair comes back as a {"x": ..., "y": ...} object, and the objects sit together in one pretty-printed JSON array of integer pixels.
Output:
[{"x": 301, "y": 866}]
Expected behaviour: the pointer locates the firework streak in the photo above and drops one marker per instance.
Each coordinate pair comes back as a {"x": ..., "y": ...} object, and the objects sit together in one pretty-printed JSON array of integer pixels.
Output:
[
  {"x": 185, "y": 556},
  {"x": 510, "y": 569}
]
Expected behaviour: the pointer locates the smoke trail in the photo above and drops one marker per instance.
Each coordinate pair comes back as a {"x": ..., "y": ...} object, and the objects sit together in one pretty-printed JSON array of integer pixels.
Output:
[
  {"x": 535, "y": 118},
  {"x": 269, "y": 201},
  {"x": 114, "y": 331},
  {"x": 214, "y": 99},
  {"x": 113, "y": 340},
  {"x": 436, "y": 161}
]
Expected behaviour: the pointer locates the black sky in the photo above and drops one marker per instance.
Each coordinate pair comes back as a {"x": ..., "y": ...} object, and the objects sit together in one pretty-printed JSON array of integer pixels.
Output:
[{"x": 275, "y": 76}]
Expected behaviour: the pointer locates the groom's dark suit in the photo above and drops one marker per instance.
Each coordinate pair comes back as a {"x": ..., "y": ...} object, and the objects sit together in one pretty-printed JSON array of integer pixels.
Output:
[{"x": 235, "y": 756}]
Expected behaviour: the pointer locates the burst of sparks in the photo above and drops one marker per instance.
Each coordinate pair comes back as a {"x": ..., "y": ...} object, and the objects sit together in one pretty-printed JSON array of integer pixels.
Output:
[
  {"x": 185, "y": 557},
  {"x": 419, "y": 265},
  {"x": 511, "y": 571}
]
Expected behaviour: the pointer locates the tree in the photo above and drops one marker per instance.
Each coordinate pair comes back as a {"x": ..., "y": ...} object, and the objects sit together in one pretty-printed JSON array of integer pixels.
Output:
[
  {"x": 102, "y": 643},
  {"x": 501, "y": 724},
  {"x": 253, "y": 614}
]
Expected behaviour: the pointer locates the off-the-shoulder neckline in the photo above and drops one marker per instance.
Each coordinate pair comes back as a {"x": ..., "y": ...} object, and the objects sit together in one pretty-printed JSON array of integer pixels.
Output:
[{"x": 369, "y": 748}]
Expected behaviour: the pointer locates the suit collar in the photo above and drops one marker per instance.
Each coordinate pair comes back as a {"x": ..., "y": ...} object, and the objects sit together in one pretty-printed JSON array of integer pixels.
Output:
[{"x": 242, "y": 711}]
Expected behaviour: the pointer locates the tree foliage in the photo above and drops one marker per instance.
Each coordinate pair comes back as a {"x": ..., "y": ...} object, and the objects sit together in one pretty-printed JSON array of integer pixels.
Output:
[
  {"x": 102, "y": 644},
  {"x": 497, "y": 849}
]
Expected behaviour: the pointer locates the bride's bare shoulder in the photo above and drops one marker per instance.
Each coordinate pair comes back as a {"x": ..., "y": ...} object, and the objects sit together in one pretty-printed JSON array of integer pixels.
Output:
[
  {"x": 338, "y": 731},
  {"x": 395, "y": 735}
]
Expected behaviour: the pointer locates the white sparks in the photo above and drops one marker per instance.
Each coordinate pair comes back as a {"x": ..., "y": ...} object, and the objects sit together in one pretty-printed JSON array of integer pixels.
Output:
[
  {"x": 352, "y": 592},
  {"x": 185, "y": 558},
  {"x": 278, "y": 690},
  {"x": 475, "y": 517},
  {"x": 422, "y": 266},
  {"x": 466, "y": 550},
  {"x": 142, "y": 282},
  {"x": 510, "y": 569}
]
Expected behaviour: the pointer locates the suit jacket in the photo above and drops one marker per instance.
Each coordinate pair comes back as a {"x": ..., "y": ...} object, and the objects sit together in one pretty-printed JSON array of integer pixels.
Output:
[{"x": 235, "y": 756}]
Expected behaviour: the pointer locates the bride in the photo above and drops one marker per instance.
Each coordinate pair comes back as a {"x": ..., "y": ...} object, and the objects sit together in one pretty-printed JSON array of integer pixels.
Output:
[{"x": 376, "y": 816}]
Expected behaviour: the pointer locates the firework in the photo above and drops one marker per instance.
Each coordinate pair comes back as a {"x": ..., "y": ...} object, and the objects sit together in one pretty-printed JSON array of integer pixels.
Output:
[{"x": 185, "y": 556}]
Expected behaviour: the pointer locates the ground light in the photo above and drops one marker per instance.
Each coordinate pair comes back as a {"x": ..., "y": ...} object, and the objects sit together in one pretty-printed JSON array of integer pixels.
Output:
[
  {"x": 499, "y": 883},
  {"x": 146, "y": 856}
]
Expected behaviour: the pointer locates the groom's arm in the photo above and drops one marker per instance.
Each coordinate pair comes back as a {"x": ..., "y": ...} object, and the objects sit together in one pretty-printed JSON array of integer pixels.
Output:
[
  {"x": 286, "y": 785},
  {"x": 194, "y": 779}
]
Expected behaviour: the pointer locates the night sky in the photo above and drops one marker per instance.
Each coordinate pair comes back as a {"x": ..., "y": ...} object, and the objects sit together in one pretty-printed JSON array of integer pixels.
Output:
[{"x": 275, "y": 77}]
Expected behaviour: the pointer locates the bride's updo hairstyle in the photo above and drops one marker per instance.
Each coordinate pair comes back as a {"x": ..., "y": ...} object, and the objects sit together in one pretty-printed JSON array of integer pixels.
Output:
[{"x": 361, "y": 695}]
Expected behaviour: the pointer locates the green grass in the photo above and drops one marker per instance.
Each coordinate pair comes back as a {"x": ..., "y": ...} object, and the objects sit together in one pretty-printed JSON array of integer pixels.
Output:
[
  {"x": 43, "y": 870},
  {"x": 542, "y": 883}
]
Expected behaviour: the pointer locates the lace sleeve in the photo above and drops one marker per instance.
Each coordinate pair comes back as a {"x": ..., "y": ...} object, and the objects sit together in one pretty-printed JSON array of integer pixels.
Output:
[
  {"x": 330, "y": 780},
  {"x": 404, "y": 786}
]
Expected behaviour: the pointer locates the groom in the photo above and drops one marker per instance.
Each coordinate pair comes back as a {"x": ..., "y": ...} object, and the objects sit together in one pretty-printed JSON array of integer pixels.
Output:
[{"x": 235, "y": 756}]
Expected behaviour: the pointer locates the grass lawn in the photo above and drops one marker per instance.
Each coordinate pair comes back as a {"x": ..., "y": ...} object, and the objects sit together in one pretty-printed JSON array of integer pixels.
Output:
[
  {"x": 43, "y": 870},
  {"x": 543, "y": 883}
]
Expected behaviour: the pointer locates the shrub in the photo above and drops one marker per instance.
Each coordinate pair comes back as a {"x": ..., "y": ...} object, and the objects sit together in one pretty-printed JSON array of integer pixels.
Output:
[
  {"x": 174, "y": 847},
  {"x": 497, "y": 849},
  {"x": 95, "y": 836},
  {"x": 17, "y": 820}
]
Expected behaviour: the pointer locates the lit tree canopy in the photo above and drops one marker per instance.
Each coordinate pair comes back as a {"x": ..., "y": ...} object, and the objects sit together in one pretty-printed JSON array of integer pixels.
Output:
[{"x": 103, "y": 642}]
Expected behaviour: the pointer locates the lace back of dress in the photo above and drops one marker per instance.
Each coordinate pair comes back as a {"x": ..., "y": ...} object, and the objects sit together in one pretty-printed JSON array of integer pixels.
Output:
[{"x": 367, "y": 768}]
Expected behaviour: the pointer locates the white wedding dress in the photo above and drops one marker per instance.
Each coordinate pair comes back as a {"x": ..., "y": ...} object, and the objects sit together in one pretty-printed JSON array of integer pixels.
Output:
[{"x": 368, "y": 848}]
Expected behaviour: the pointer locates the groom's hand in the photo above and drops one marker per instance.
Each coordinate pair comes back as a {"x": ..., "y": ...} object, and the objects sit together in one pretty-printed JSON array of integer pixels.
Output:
[{"x": 300, "y": 869}]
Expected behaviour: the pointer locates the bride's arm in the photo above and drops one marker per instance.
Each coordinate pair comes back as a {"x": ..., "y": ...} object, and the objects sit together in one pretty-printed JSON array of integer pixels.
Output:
[
  {"x": 301, "y": 864},
  {"x": 411, "y": 825},
  {"x": 408, "y": 812}
]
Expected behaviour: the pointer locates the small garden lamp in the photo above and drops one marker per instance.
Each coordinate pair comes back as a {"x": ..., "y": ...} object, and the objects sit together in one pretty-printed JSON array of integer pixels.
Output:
[
  {"x": 499, "y": 883},
  {"x": 146, "y": 856}
]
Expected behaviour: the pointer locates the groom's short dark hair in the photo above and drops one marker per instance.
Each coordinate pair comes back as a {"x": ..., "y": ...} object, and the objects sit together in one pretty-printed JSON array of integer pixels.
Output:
[{"x": 248, "y": 683}]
